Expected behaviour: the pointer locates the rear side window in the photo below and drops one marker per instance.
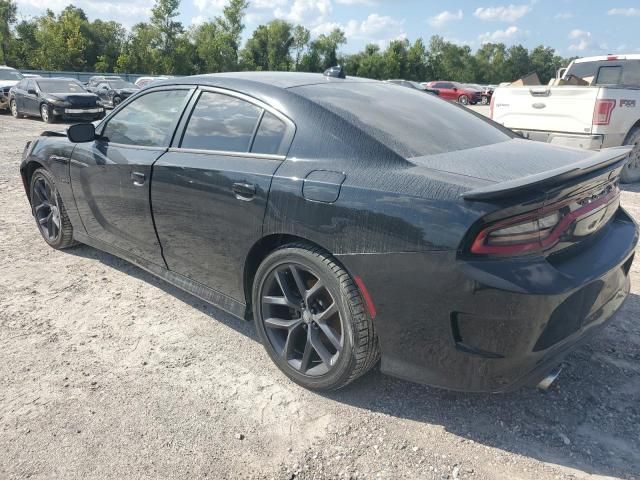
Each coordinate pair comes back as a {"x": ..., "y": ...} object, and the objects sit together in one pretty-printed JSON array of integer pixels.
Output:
[
  {"x": 270, "y": 135},
  {"x": 220, "y": 122},
  {"x": 609, "y": 76},
  {"x": 608, "y": 72},
  {"x": 410, "y": 122},
  {"x": 148, "y": 120}
]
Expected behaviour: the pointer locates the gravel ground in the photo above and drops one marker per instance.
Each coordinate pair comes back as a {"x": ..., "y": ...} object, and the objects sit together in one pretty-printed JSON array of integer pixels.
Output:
[{"x": 107, "y": 372}]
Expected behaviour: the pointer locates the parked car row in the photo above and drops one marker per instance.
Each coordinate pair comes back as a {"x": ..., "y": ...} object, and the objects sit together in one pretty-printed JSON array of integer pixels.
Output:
[{"x": 64, "y": 98}]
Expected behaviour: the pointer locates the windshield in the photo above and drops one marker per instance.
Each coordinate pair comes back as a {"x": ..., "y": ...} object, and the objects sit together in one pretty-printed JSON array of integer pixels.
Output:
[
  {"x": 409, "y": 122},
  {"x": 60, "y": 86},
  {"x": 10, "y": 75},
  {"x": 120, "y": 84}
]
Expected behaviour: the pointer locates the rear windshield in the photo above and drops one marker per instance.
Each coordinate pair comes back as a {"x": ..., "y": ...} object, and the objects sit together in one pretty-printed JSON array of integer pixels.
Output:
[
  {"x": 120, "y": 84},
  {"x": 413, "y": 123},
  {"x": 607, "y": 72},
  {"x": 60, "y": 86}
]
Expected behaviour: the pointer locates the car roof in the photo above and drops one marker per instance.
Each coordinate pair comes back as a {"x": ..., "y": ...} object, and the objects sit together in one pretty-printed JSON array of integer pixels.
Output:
[{"x": 276, "y": 79}]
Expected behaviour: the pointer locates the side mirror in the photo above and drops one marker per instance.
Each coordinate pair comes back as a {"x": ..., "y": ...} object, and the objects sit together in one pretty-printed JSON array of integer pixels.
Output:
[
  {"x": 82, "y": 132},
  {"x": 455, "y": 89},
  {"x": 31, "y": 91}
]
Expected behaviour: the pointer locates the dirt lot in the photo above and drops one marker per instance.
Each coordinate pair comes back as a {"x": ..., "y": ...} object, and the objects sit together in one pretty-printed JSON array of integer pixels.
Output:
[{"x": 107, "y": 372}]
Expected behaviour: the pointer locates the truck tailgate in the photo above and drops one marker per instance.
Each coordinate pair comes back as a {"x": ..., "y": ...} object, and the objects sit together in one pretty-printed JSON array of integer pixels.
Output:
[{"x": 556, "y": 109}]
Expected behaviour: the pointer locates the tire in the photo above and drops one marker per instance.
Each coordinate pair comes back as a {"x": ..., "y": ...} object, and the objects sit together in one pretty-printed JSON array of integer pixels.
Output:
[
  {"x": 46, "y": 114},
  {"x": 631, "y": 171},
  {"x": 116, "y": 101},
  {"x": 13, "y": 106},
  {"x": 463, "y": 100},
  {"x": 485, "y": 100},
  {"x": 57, "y": 231},
  {"x": 351, "y": 354}
]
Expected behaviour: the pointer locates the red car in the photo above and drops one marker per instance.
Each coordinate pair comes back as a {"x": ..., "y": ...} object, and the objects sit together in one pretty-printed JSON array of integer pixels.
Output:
[{"x": 456, "y": 92}]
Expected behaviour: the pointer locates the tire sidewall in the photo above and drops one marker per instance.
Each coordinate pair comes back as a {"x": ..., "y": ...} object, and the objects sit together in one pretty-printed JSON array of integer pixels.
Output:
[
  {"x": 307, "y": 259},
  {"x": 627, "y": 175},
  {"x": 463, "y": 100}
]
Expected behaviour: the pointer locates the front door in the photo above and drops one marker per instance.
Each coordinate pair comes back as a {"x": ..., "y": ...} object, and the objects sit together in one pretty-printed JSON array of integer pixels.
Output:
[
  {"x": 210, "y": 192},
  {"x": 30, "y": 101},
  {"x": 111, "y": 176}
]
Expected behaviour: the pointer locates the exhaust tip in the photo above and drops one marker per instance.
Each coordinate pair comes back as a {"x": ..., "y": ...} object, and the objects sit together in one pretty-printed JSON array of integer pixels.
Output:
[{"x": 548, "y": 380}]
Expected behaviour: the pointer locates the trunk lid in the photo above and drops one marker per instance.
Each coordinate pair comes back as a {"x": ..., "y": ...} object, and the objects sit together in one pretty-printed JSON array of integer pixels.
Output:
[{"x": 557, "y": 109}]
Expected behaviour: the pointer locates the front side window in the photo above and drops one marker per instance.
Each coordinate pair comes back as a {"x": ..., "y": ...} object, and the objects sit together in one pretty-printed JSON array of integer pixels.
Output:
[
  {"x": 148, "y": 120},
  {"x": 220, "y": 122}
]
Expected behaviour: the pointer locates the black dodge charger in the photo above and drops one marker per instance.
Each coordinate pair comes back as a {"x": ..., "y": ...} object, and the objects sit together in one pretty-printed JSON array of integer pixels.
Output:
[
  {"x": 352, "y": 220},
  {"x": 52, "y": 98}
]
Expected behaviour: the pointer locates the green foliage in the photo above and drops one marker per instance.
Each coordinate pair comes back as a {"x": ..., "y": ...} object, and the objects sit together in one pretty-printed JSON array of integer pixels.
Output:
[{"x": 69, "y": 41}]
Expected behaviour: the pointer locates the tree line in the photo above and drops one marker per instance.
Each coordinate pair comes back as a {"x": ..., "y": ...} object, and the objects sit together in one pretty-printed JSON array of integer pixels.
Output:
[{"x": 162, "y": 45}]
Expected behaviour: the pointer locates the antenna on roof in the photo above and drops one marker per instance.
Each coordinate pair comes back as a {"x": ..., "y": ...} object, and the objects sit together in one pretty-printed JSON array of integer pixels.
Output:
[{"x": 337, "y": 72}]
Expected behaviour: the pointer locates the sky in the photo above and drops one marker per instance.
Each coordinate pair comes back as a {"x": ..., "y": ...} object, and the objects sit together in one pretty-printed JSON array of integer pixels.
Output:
[{"x": 572, "y": 27}]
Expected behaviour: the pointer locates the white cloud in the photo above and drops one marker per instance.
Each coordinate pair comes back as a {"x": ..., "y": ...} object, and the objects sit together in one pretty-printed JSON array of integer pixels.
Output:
[
  {"x": 563, "y": 16},
  {"x": 509, "y": 13},
  {"x": 306, "y": 12},
  {"x": 500, "y": 35},
  {"x": 358, "y": 2},
  {"x": 212, "y": 6},
  {"x": 127, "y": 12},
  {"x": 627, "y": 12},
  {"x": 378, "y": 29},
  {"x": 445, "y": 17},
  {"x": 583, "y": 40}
]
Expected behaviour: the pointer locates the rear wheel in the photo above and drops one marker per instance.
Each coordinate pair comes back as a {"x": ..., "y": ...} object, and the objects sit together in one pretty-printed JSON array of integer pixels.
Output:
[
  {"x": 46, "y": 113},
  {"x": 485, "y": 100},
  {"x": 631, "y": 170},
  {"x": 49, "y": 211},
  {"x": 311, "y": 319},
  {"x": 463, "y": 99},
  {"x": 116, "y": 101}
]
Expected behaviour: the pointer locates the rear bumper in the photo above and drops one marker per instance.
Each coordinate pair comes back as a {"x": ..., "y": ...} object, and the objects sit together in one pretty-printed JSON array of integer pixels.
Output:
[
  {"x": 575, "y": 140},
  {"x": 493, "y": 325}
]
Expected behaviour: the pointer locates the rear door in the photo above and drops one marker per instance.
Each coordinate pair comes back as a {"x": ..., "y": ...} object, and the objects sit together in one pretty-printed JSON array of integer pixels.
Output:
[
  {"x": 556, "y": 109},
  {"x": 210, "y": 190},
  {"x": 111, "y": 176}
]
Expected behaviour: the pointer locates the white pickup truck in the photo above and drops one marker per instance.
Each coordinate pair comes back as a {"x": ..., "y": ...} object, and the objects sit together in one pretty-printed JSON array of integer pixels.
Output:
[{"x": 603, "y": 110}]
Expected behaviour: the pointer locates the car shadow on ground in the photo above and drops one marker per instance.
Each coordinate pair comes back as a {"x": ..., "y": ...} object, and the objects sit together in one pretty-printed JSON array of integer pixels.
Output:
[
  {"x": 589, "y": 420},
  {"x": 630, "y": 187}
]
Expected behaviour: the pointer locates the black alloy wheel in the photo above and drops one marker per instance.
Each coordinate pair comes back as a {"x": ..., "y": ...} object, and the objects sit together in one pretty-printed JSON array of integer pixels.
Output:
[
  {"x": 311, "y": 319},
  {"x": 116, "y": 101},
  {"x": 49, "y": 212},
  {"x": 302, "y": 320}
]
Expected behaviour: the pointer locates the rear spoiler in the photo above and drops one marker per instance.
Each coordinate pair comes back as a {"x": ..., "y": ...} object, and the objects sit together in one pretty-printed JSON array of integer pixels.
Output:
[{"x": 601, "y": 159}]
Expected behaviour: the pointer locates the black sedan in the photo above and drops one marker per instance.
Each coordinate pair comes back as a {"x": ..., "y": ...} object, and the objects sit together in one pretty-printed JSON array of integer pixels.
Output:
[
  {"x": 114, "y": 91},
  {"x": 352, "y": 220},
  {"x": 52, "y": 98}
]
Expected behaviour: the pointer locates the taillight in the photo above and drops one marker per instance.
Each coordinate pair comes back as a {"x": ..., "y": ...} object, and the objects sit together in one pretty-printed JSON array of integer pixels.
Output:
[
  {"x": 602, "y": 111},
  {"x": 538, "y": 230},
  {"x": 491, "y": 103}
]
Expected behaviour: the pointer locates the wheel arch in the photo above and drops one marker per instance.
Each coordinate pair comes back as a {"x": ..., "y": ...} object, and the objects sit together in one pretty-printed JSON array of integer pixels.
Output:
[
  {"x": 635, "y": 126},
  {"x": 261, "y": 249},
  {"x": 27, "y": 172}
]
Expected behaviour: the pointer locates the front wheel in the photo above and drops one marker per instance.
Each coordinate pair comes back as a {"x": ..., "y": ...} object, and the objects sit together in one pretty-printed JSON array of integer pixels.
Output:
[
  {"x": 116, "y": 101},
  {"x": 631, "y": 171},
  {"x": 49, "y": 211},
  {"x": 14, "y": 109},
  {"x": 463, "y": 100},
  {"x": 46, "y": 113},
  {"x": 311, "y": 319}
]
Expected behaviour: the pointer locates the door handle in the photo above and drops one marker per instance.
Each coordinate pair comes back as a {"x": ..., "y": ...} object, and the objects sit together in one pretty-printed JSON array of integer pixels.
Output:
[
  {"x": 244, "y": 191},
  {"x": 138, "y": 178}
]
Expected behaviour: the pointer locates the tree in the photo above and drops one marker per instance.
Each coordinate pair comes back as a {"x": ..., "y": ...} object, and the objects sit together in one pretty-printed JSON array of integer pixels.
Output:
[
  {"x": 62, "y": 44},
  {"x": 163, "y": 16},
  {"x": 24, "y": 47},
  {"x": 8, "y": 11},
  {"x": 301, "y": 37},
  {"x": 545, "y": 62},
  {"x": 139, "y": 53},
  {"x": 269, "y": 47},
  {"x": 107, "y": 41},
  {"x": 323, "y": 52}
]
